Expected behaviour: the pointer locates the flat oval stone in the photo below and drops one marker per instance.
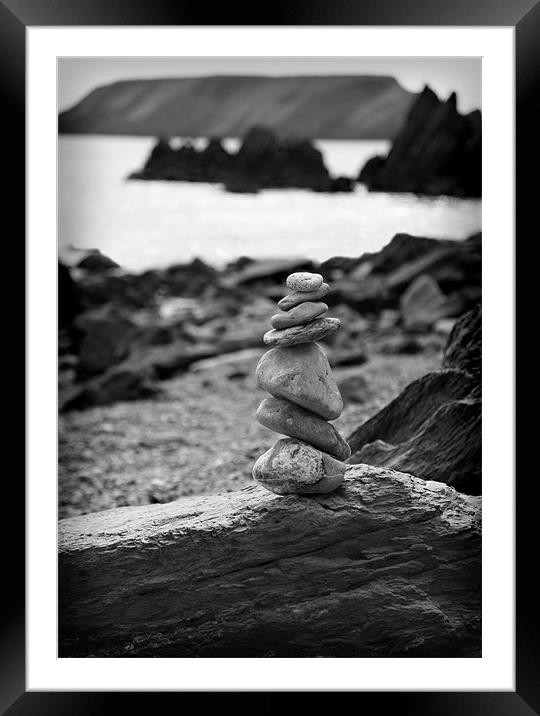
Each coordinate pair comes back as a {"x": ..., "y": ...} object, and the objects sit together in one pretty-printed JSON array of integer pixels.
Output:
[
  {"x": 297, "y": 297},
  {"x": 304, "y": 281},
  {"x": 306, "y": 333},
  {"x": 302, "y": 375},
  {"x": 286, "y": 418},
  {"x": 294, "y": 467},
  {"x": 299, "y": 315}
]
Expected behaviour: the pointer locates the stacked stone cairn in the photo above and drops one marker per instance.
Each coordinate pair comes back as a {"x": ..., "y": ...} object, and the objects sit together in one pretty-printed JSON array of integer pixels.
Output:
[{"x": 304, "y": 395}]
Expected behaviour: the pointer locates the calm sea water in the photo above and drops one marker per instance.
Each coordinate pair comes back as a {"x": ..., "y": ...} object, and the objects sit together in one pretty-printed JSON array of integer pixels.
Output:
[{"x": 148, "y": 224}]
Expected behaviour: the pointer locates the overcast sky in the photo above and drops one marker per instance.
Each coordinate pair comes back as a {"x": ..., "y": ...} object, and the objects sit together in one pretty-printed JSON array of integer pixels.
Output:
[{"x": 78, "y": 76}]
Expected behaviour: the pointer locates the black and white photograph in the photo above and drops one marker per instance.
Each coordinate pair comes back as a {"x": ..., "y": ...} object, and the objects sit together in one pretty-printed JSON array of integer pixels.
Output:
[{"x": 269, "y": 357}]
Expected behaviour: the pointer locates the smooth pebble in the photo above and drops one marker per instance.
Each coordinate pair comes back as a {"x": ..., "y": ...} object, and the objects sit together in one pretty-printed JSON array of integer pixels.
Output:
[
  {"x": 298, "y": 297},
  {"x": 294, "y": 467},
  {"x": 284, "y": 417},
  {"x": 302, "y": 375},
  {"x": 306, "y": 333},
  {"x": 299, "y": 315},
  {"x": 304, "y": 281}
]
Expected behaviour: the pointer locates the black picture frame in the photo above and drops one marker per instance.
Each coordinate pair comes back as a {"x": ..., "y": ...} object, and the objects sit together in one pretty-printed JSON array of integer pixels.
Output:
[{"x": 524, "y": 16}]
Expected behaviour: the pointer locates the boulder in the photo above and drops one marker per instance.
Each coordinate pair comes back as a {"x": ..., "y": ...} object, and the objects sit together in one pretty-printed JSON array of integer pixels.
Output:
[
  {"x": 388, "y": 566},
  {"x": 433, "y": 428},
  {"x": 407, "y": 413},
  {"x": 196, "y": 279},
  {"x": 375, "y": 282},
  {"x": 447, "y": 447},
  {"x": 107, "y": 336},
  {"x": 148, "y": 289},
  {"x": 354, "y": 389},
  {"x": 423, "y": 303}
]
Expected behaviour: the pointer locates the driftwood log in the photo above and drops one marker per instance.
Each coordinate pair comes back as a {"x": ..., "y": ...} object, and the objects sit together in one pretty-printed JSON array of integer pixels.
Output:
[{"x": 387, "y": 566}]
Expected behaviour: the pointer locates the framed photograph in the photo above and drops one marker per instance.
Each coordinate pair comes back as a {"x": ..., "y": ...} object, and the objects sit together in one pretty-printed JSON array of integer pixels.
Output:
[{"x": 270, "y": 354}]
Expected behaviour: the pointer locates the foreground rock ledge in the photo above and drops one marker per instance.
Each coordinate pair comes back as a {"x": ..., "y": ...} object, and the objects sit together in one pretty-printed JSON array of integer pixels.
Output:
[{"x": 386, "y": 566}]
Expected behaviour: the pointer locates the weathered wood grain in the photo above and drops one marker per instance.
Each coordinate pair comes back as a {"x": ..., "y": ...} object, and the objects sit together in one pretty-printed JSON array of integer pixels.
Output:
[{"x": 387, "y": 566}]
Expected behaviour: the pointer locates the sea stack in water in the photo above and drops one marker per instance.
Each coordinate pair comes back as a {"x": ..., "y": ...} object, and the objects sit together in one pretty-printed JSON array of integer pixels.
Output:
[{"x": 304, "y": 396}]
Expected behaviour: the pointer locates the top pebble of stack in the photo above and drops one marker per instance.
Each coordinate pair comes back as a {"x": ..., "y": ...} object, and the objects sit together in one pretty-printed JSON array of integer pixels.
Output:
[{"x": 303, "y": 281}]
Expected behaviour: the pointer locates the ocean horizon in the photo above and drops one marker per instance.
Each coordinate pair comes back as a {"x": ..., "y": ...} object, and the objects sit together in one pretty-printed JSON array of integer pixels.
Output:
[{"x": 143, "y": 225}]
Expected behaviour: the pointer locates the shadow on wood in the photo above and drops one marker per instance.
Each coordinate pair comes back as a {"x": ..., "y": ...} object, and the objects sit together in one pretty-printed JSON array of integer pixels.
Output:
[{"x": 387, "y": 566}]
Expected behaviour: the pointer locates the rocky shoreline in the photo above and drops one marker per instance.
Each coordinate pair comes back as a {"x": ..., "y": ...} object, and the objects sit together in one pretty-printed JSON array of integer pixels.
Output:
[
  {"x": 157, "y": 366},
  {"x": 121, "y": 334}
]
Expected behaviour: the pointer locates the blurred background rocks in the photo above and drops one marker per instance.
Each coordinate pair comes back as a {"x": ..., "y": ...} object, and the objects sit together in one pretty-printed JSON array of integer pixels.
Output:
[{"x": 156, "y": 370}]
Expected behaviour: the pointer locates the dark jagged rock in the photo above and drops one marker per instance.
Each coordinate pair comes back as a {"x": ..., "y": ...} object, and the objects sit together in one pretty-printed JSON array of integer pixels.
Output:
[
  {"x": 378, "y": 281},
  {"x": 147, "y": 289},
  {"x": 89, "y": 260},
  {"x": 340, "y": 184},
  {"x": 402, "y": 249},
  {"x": 405, "y": 414},
  {"x": 446, "y": 448},
  {"x": 186, "y": 163},
  {"x": 69, "y": 303},
  {"x": 337, "y": 266},
  {"x": 264, "y": 161},
  {"x": 96, "y": 262},
  {"x": 433, "y": 428},
  {"x": 196, "y": 279},
  {"x": 159, "y": 322},
  {"x": 453, "y": 265},
  {"x": 464, "y": 348},
  {"x": 437, "y": 151}
]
